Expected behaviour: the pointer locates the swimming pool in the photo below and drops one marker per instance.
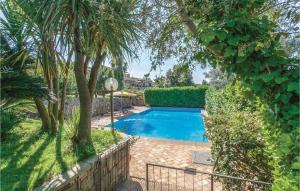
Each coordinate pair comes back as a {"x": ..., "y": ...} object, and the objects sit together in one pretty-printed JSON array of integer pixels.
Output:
[{"x": 168, "y": 123}]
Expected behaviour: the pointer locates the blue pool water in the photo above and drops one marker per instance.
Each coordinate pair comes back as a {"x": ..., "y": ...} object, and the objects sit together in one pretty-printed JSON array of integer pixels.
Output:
[{"x": 175, "y": 123}]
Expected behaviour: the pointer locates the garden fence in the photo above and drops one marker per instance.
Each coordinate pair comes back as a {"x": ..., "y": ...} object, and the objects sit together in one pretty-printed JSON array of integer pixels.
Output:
[{"x": 165, "y": 178}]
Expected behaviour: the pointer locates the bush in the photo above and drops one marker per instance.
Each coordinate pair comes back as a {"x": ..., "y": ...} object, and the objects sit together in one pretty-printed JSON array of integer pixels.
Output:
[
  {"x": 238, "y": 148},
  {"x": 235, "y": 129},
  {"x": 176, "y": 97},
  {"x": 72, "y": 123},
  {"x": 234, "y": 97},
  {"x": 9, "y": 119}
]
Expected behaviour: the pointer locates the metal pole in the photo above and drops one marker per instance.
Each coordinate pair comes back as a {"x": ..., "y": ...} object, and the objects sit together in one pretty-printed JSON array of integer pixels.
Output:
[
  {"x": 111, "y": 110},
  {"x": 147, "y": 177},
  {"x": 212, "y": 182}
]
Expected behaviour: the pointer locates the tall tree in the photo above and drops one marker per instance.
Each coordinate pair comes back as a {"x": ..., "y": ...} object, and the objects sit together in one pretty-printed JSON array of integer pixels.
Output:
[
  {"x": 180, "y": 75},
  {"x": 161, "y": 81},
  {"x": 217, "y": 78},
  {"x": 44, "y": 44},
  {"x": 241, "y": 38},
  {"x": 94, "y": 29},
  {"x": 17, "y": 62}
]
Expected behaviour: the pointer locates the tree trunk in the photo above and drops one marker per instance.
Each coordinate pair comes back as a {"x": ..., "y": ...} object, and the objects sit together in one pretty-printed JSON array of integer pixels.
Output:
[
  {"x": 42, "y": 110},
  {"x": 55, "y": 85},
  {"x": 188, "y": 22},
  {"x": 94, "y": 73},
  {"x": 184, "y": 16},
  {"x": 61, "y": 114},
  {"x": 86, "y": 64},
  {"x": 64, "y": 90},
  {"x": 50, "y": 108},
  {"x": 50, "y": 73},
  {"x": 84, "y": 127}
]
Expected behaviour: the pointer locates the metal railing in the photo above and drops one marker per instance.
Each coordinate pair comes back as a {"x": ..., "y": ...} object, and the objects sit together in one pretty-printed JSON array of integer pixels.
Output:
[{"x": 166, "y": 178}]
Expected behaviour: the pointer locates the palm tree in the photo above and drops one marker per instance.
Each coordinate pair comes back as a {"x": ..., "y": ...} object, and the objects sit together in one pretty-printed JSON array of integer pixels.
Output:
[
  {"x": 42, "y": 46},
  {"x": 16, "y": 59},
  {"x": 95, "y": 29}
]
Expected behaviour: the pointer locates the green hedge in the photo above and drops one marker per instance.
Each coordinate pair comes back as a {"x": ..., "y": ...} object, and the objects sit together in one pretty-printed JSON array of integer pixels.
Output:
[{"x": 176, "y": 96}]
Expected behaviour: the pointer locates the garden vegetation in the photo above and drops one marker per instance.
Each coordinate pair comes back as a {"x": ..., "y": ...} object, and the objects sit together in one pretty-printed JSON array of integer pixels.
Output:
[
  {"x": 235, "y": 128},
  {"x": 29, "y": 156},
  {"x": 176, "y": 97},
  {"x": 42, "y": 42},
  {"x": 248, "y": 39}
]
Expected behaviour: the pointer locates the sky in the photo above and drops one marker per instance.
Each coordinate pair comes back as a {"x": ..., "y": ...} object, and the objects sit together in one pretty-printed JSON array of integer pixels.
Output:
[{"x": 142, "y": 65}]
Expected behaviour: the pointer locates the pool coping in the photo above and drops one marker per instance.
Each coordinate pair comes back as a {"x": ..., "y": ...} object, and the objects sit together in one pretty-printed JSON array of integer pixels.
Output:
[{"x": 173, "y": 141}]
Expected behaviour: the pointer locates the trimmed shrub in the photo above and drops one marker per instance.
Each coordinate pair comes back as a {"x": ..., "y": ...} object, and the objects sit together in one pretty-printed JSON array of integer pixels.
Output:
[{"x": 176, "y": 96}]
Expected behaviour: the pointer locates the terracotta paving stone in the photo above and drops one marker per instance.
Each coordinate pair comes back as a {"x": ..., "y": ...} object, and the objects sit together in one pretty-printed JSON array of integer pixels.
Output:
[
  {"x": 165, "y": 152},
  {"x": 169, "y": 153}
]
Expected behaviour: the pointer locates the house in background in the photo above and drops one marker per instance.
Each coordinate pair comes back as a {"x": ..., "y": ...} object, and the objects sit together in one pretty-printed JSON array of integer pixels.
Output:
[{"x": 134, "y": 83}]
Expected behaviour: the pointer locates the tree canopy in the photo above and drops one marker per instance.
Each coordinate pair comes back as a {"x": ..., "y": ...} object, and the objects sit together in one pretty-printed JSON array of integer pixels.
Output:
[{"x": 245, "y": 38}]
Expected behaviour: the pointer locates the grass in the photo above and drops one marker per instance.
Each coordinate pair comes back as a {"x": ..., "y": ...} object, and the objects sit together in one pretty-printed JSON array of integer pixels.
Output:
[{"x": 29, "y": 156}]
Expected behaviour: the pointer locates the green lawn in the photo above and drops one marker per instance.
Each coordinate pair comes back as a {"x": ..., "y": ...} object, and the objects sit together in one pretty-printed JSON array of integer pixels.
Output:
[{"x": 30, "y": 156}]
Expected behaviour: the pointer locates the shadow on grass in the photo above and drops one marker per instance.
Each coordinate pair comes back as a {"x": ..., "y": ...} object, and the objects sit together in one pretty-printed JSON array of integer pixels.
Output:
[
  {"x": 16, "y": 176},
  {"x": 22, "y": 169},
  {"x": 58, "y": 150},
  {"x": 19, "y": 148},
  {"x": 31, "y": 156}
]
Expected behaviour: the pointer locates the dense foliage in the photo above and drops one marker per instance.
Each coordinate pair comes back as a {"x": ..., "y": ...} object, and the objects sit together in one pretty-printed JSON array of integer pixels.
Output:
[
  {"x": 232, "y": 98},
  {"x": 179, "y": 75},
  {"x": 234, "y": 127},
  {"x": 78, "y": 35},
  {"x": 16, "y": 61},
  {"x": 241, "y": 40},
  {"x": 8, "y": 120},
  {"x": 175, "y": 97},
  {"x": 217, "y": 78},
  {"x": 238, "y": 148}
]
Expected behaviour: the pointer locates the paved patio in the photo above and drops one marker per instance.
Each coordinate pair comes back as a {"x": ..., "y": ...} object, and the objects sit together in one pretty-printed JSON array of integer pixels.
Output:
[
  {"x": 162, "y": 152},
  {"x": 169, "y": 153},
  {"x": 165, "y": 152}
]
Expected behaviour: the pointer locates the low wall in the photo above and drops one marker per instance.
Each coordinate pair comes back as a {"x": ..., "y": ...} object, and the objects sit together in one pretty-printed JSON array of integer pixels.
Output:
[
  {"x": 138, "y": 101},
  {"x": 100, "y": 105},
  {"x": 105, "y": 171}
]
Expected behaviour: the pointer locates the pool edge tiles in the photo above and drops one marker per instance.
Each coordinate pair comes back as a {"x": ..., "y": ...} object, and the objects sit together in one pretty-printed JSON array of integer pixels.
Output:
[{"x": 180, "y": 124}]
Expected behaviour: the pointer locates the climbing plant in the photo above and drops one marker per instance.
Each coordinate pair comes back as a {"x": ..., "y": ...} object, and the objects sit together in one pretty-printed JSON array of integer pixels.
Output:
[{"x": 242, "y": 40}]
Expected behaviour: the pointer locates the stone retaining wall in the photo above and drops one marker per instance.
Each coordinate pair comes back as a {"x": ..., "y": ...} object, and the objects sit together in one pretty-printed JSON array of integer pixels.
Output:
[
  {"x": 102, "y": 105},
  {"x": 101, "y": 172}
]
